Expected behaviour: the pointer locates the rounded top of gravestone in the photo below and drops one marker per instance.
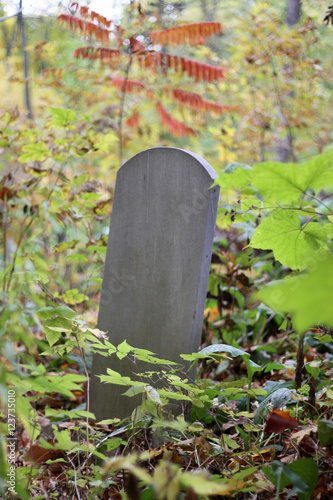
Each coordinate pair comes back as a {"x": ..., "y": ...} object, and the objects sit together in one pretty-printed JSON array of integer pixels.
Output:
[{"x": 173, "y": 153}]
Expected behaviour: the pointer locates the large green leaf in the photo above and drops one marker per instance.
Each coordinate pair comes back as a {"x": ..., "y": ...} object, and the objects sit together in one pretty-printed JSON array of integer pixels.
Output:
[
  {"x": 291, "y": 243},
  {"x": 234, "y": 175},
  {"x": 301, "y": 474},
  {"x": 286, "y": 182},
  {"x": 308, "y": 298}
]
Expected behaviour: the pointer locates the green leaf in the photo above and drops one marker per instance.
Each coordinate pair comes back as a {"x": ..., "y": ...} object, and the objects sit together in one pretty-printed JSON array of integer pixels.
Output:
[
  {"x": 116, "y": 378},
  {"x": 234, "y": 175},
  {"x": 65, "y": 245},
  {"x": 62, "y": 117},
  {"x": 96, "y": 248},
  {"x": 58, "y": 324},
  {"x": 39, "y": 276},
  {"x": 233, "y": 351},
  {"x": 291, "y": 243},
  {"x": 174, "y": 395},
  {"x": 134, "y": 390},
  {"x": 73, "y": 297},
  {"x": 286, "y": 182},
  {"x": 307, "y": 470},
  {"x": 52, "y": 337},
  {"x": 273, "y": 366},
  {"x": 280, "y": 398},
  {"x": 153, "y": 394},
  {"x": 202, "y": 485},
  {"x": 308, "y": 298},
  {"x": 76, "y": 257},
  {"x": 313, "y": 368},
  {"x": 123, "y": 349},
  {"x": 65, "y": 311},
  {"x": 325, "y": 432},
  {"x": 34, "y": 152},
  {"x": 45, "y": 312},
  {"x": 251, "y": 366}
]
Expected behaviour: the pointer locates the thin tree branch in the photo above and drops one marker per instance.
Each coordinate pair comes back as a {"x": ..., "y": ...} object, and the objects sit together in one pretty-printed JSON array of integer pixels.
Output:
[
  {"x": 121, "y": 113},
  {"x": 11, "y": 15}
]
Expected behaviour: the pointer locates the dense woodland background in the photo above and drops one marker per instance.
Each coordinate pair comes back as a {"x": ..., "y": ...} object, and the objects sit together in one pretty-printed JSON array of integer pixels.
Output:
[{"x": 253, "y": 96}]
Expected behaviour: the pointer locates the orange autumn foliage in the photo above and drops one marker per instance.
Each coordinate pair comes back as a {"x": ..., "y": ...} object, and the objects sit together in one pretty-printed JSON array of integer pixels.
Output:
[
  {"x": 133, "y": 120},
  {"x": 199, "y": 71},
  {"x": 94, "y": 16},
  {"x": 90, "y": 24},
  {"x": 176, "y": 128},
  {"x": 104, "y": 54},
  {"x": 195, "y": 101},
  {"x": 193, "y": 34},
  {"x": 87, "y": 28},
  {"x": 55, "y": 73},
  {"x": 127, "y": 85}
]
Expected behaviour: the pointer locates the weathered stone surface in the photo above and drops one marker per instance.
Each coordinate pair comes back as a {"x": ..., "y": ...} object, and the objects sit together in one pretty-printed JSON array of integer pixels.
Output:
[{"x": 157, "y": 264}]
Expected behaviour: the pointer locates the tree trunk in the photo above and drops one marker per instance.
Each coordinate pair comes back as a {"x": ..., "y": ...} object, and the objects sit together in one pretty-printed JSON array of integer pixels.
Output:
[
  {"x": 293, "y": 12},
  {"x": 20, "y": 22},
  {"x": 285, "y": 149},
  {"x": 207, "y": 11}
]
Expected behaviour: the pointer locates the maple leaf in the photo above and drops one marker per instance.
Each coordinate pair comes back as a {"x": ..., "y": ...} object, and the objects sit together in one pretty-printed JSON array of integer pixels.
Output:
[
  {"x": 291, "y": 243},
  {"x": 307, "y": 297},
  {"x": 278, "y": 420},
  {"x": 287, "y": 182}
]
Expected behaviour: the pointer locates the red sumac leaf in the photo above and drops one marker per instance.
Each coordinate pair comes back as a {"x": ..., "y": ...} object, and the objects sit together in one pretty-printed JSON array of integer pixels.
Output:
[
  {"x": 192, "y": 34},
  {"x": 195, "y": 101},
  {"x": 176, "y": 128},
  {"x": 128, "y": 85},
  {"x": 103, "y": 53},
  {"x": 133, "y": 120}
]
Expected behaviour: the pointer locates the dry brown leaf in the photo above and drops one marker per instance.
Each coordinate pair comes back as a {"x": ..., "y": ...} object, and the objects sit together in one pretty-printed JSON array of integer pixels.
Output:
[{"x": 305, "y": 432}]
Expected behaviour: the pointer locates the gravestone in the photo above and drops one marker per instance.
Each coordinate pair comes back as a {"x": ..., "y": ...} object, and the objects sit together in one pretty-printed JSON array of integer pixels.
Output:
[{"x": 157, "y": 265}]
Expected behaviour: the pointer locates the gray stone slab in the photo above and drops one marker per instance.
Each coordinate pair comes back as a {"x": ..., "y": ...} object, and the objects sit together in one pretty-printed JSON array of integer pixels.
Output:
[{"x": 157, "y": 265}]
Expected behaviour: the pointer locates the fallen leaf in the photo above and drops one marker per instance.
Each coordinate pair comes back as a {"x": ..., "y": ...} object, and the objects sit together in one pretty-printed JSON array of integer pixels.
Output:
[
  {"x": 277, "y": 421},
  {"x": 306, "y": 431}
]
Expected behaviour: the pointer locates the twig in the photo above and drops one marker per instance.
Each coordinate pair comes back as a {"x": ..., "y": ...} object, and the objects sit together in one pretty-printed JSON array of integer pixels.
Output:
[
  {"x": 23, "y": 231},
  {"x": 5, "y": 230},
  {"x": 88, "y": 387},
  {"x": 121, "y": 113},
  {"x": 75, "y": 479},
  {"x": 11, "y": 15}
]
